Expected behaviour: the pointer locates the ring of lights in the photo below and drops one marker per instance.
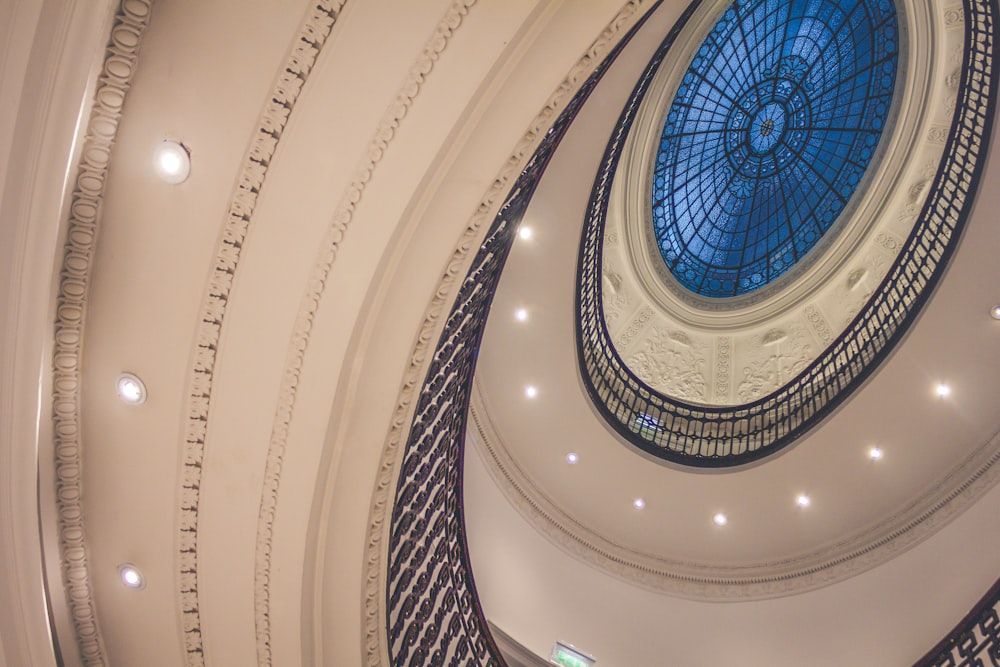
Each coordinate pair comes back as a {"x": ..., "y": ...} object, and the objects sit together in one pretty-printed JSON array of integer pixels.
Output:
[{"x": 807, "y": 365}]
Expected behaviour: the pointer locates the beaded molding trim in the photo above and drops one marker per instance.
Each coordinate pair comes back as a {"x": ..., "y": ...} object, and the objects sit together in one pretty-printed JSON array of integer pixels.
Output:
[
  {"x": 330, "y": 246},
  {"x": 113, "y": 82},
  {"x": 376, "y": 646},
  {"x": 316, "y": 28}
]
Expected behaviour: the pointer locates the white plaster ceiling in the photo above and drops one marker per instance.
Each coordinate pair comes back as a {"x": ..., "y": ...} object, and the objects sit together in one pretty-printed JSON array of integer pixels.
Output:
[{"x": 404, "y": 121}]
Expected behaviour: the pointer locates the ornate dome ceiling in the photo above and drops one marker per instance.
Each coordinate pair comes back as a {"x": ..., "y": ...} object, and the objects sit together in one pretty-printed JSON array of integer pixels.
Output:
[
  {"x": 303, "y": 482},
  {"x": 771, "y": 130}
]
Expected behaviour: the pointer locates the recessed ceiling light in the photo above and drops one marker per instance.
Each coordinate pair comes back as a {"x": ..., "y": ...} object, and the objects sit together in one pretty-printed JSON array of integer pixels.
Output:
[
  {"x": 803, "y": 500},
  {"x": 130, "y": 389},
  {"x": 638, "y": 503},
  {"x": 131, "y": 576},
  {"x": 521, "y": 314},
  {"x": 720, "y": 519},
  {"x": 173, "y": 162},
  {"x": 995, "y": 312},
  {"x": 531, "y": 391},
  {"x": 943, "y": 390},
  {"x": 572, "y": 457},
  {"x": 875, "y": 453},
  {"x": 525, "y": 233}
]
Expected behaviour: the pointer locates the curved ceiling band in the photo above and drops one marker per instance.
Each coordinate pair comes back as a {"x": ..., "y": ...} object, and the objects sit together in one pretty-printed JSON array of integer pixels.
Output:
[
  {"x": 432, "y": 610},
  {"x": 703, "y": 436}
]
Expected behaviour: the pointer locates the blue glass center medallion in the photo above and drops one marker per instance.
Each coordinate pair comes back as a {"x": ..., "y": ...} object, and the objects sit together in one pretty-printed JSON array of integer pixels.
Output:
[{"x": 768, "y": 137}]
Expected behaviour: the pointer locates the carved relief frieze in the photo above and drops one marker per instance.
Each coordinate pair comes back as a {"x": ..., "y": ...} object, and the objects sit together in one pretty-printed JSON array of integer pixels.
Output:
[
  {"x": 672, "y": 362},
  {"x": 723, "y": 369},
  {"x": 771, "y": 359},
  {"x": 617, "y": 298},
  {"x": 818, "y": 322}
]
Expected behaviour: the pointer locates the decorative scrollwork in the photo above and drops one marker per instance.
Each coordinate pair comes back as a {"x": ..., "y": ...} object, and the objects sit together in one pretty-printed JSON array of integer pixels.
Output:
[
  {"x": 433, "y": 612},
  {"x": 727, "y": 436},
  {"x": 975, "y": 641}
]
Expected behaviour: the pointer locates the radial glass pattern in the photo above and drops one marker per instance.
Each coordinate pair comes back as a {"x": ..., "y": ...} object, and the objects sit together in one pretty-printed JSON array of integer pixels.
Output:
[{"x": 771, "y": 130}]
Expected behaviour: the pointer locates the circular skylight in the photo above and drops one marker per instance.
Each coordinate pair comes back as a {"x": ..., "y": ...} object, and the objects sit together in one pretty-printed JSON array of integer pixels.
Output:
[{"x": 768, "y": 136}]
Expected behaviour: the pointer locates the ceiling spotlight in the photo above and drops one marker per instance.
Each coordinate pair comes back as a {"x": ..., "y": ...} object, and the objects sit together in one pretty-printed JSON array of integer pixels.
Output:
[
  {"x": 943, "y": 390},
  {"x": 130, "y": 389},
  {"x": 173, "y": 162},
  {"x": 572, "y": 457},
  {"x": 525, "y": 233},
  {"x": 521, "y": 314},
  {"x": 638, "y": 503},
  {"x": 531, "y": 391},
  {"x": 131, "y": 576},
  {"x": 803, "y": 500},
  {"x": 875, "y": 453},
  {"x": 995, "y": 312},
  {"x": 720, "y": 519}
]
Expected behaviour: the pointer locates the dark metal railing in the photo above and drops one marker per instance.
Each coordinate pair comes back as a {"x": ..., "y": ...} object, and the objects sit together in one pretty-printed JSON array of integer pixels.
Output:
[
  {"x": 433, "y": 614},
  {"x": 975, "y": 641},
  {"x": 725, "y": 436}
]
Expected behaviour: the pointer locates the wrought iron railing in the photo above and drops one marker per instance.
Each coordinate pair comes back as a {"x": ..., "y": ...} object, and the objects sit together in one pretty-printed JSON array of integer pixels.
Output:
[
  {"x": 975, "y": 641},
  {"x": 433, "y": 614},
  {"x": 725, "y": 436}
]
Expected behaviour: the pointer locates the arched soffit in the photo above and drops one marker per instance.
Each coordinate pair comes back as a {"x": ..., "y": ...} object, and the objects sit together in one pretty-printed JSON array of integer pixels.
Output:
[
  {"x": 431, "y": 608},
  {"x": 715, "y": 382}
]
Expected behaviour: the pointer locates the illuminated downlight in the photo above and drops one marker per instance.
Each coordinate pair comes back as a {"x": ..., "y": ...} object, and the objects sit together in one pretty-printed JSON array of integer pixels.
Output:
[
  {"x": 173, "y": 162},
  {"x": 131, "y": 576},
  {"x": 720, "y": 519},
  {"x": 130, "y": 389}
]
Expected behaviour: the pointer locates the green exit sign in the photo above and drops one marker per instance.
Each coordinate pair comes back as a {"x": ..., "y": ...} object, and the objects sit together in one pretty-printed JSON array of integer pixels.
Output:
[{"x": 567, "y": 656}]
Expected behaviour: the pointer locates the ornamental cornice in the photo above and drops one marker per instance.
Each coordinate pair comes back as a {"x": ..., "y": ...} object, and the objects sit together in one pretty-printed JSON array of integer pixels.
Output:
[
  {"x": 783, "y": 383},
  {"x": 329, "y": 248},
  {"x": 873, "y": 545},
  {"x": 319, "y": 20},
  {"x": 113, "y": 82},
  {"x": 376, "y": 645},
  {"x": 820, "y": 297}
]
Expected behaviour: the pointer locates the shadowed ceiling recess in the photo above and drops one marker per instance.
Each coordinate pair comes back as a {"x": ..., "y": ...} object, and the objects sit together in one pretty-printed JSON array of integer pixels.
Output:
[{"x": 771, "y": 130}]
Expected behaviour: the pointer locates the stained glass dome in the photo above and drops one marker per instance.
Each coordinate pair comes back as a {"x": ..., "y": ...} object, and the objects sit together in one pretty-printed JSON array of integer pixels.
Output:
[{"x": 768, "y": 137}]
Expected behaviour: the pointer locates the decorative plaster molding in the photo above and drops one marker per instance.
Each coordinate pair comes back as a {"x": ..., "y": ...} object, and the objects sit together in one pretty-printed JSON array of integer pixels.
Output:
[
  {"x": 876, "y": 544},
  {"x": 316, "y": 285},
  {"x": 316, "y": 27},
  {"x": 889, "y": 209},
  {"x": 113, "y": 82},
  {"x": 375, "y": 640}
]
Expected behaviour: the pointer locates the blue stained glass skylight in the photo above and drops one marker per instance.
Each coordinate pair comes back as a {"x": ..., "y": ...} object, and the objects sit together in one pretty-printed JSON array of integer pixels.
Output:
[{"x": 769, "y": 135}]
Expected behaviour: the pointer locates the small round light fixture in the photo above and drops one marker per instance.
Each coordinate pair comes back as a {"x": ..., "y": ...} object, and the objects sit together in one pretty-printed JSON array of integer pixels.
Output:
[
  {"x": 720, "y": 519},
  {"x": 525, "y": 233},
  {"x": 531, "y": 391},
  {"x": 638, "y": 503},
  {"x": 173, "y": 162},
  {"x": 803, "y": 500},
  {"x": 572, "y": 457},
  {"x": 521, "y": 314},
  {"x": 943, "y": 390},
  {"x": 130, "y": 389},
  {"x": 995, "y": 312},
  {"x": 131, "y": 576},
  {"x": 876, "y": 453}
]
